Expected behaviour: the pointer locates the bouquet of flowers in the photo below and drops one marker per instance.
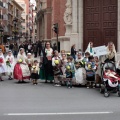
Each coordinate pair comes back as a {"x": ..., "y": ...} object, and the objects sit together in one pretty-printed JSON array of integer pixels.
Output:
[
  {"x": 8, "y": 63},
  {"x": 89, "y": 66},
  {"x": 56, "y": 62},
  {"x": 34, "y": 69},
  {"x": 20, "y": 61},
  {"x": 77, "y": 65},
  {"x": 80, "y": 64}
]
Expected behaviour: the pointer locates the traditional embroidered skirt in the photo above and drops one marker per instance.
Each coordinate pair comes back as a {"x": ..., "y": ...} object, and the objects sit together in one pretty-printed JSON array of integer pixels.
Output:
[{"x": 21, "y": 72}]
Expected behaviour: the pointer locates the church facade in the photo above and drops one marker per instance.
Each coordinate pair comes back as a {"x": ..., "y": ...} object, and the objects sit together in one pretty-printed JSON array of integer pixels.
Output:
[{"x": 80, "y": 21}]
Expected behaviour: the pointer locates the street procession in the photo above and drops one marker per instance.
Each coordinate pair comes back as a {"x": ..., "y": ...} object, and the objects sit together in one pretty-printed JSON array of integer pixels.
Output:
[{"x": 97, "y": 67}]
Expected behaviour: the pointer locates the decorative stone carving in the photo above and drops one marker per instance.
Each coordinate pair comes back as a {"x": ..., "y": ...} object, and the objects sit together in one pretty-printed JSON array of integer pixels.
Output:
[{"x": 68, "y": 12}]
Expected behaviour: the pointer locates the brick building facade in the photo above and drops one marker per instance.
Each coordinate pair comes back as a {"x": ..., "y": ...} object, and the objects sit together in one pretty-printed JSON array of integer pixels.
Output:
[
  {"x": 50, "y": 12},
  {"x": 80, "y": 21}
]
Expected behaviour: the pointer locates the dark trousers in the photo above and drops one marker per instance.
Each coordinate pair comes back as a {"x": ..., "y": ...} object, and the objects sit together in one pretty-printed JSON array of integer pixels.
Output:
[{"x": 35, "y": 53}]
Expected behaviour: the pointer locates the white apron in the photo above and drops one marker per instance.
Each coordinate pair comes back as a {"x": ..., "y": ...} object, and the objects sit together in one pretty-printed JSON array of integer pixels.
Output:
[{"x": 80, "y": 75}]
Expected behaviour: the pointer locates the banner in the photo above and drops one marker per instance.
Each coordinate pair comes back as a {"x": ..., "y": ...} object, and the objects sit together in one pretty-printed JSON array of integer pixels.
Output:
[{"x": 98, "y": 51}]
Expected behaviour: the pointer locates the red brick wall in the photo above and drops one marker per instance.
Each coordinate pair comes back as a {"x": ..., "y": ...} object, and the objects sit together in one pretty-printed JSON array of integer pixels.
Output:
[
  {"x": 49, "y": 27},
  {"x": 58, "y": 8}
]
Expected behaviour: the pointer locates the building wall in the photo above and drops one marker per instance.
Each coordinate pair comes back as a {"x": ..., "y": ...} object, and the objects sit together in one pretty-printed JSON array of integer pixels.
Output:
[{"x": 53, "y": 13}]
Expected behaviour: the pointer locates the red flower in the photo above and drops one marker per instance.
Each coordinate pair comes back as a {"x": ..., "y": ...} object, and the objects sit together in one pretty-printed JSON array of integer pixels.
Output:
[{"x": 1, "y": 60}]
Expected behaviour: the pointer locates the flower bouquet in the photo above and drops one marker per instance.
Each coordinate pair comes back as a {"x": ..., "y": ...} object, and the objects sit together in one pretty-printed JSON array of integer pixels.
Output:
[
  {"x": 20, "y": 61},
  {"x": 8, "y": 63},
  {"x": 56, "y": 62}
]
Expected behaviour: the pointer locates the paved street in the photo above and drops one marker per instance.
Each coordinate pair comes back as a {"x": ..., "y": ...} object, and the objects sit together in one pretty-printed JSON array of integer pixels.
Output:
[{"x": 46, "y": 102}]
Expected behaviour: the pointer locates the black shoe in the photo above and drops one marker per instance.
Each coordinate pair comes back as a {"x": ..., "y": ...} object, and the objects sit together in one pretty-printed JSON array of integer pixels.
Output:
[
  {"x": 45, "y": 81},
  {"x": 9, "y": 78},
  {"x": 23, "y": 81},
  {"x": 19, "y": 81}
]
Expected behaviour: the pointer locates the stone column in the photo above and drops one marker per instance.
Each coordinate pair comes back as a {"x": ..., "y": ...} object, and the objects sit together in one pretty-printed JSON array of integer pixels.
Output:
[
  {"x": 74, "y": 34},
  {"x": 74, "y": 16},
  {"x": 80, "y": 12}
]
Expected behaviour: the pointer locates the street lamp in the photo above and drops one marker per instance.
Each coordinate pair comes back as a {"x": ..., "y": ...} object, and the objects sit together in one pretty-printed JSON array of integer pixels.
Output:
[
  {"x": 1, "y": 31},
  {"x": 15, "y": 28}
]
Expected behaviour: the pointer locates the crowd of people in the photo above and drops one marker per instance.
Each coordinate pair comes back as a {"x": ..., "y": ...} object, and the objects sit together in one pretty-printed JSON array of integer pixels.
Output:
[{"x": 58, "y": 68}]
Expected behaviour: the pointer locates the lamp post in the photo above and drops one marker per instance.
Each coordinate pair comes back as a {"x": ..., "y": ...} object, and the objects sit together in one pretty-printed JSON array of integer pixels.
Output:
[
  {"x": 1, "y": 33},
  {"x": 15, "y": 28}
]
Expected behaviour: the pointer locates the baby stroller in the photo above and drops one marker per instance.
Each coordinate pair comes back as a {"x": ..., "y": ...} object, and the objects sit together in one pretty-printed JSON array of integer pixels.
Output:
[{"x": 110, "y": 83}]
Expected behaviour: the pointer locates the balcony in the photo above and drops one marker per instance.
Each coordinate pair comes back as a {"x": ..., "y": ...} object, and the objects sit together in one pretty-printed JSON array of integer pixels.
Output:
[{"x": 10, "y": 12}]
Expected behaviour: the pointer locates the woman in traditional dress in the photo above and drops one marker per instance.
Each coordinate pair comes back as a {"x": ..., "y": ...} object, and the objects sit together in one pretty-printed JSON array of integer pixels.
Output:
[
  {"x": 111, "y": 56},
  {"x": 56, "y": 63},
  {"x": 21, "y": 69},
  {"x": 90, "y": 48},
  {"x": 2, "y": 65},
  {"x": 10, "y": 64},
  {"x": 46, "y": 71}
]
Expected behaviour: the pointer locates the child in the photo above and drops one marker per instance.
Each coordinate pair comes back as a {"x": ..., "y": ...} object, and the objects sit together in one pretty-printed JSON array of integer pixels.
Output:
[
  {"x": 63, "y": 63},
  {"x": 79, "y": 57},
  {"x": 110, "y": 74},
  {"x": 35, "y": 72},
  {"x": 29, "y": 60},
  {"x": 90, "y": 70},
  {"x": 2, "y": 65},
  {"x": 79, "y": 62},
  {"x": 97, "y": 77},
  {"x": 87, "y": 55},
  {"x": 10, "y": 64},
  {"x": 69, "y": 72},
  {"x": 62, "y": 53},
  {"x": 21, "y": 69},
  {"x": 56, "y": 63}
]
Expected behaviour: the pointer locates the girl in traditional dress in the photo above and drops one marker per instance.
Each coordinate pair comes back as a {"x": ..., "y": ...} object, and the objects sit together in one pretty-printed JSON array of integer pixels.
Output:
[
  {"x": 87, "y": 55},
  {"x": 70, "y": 71},
  {"x": 63, "y": 62},
  {"x": 2, "y": 65},
  {"x": 47, "y": 69},
  {"x": 97, "y": 77},
  {"x": 79, "y": 57},
  {"x": 56, "y": 63},
  {"x": 80, "y": 73},
  {"x": 10, "y": 64},
  {"x": 21, "y": 69},
  {"x": 29, "y": 60},
  {"x": 62, "y": 53},
  {"x": 35, "y": 72}
]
